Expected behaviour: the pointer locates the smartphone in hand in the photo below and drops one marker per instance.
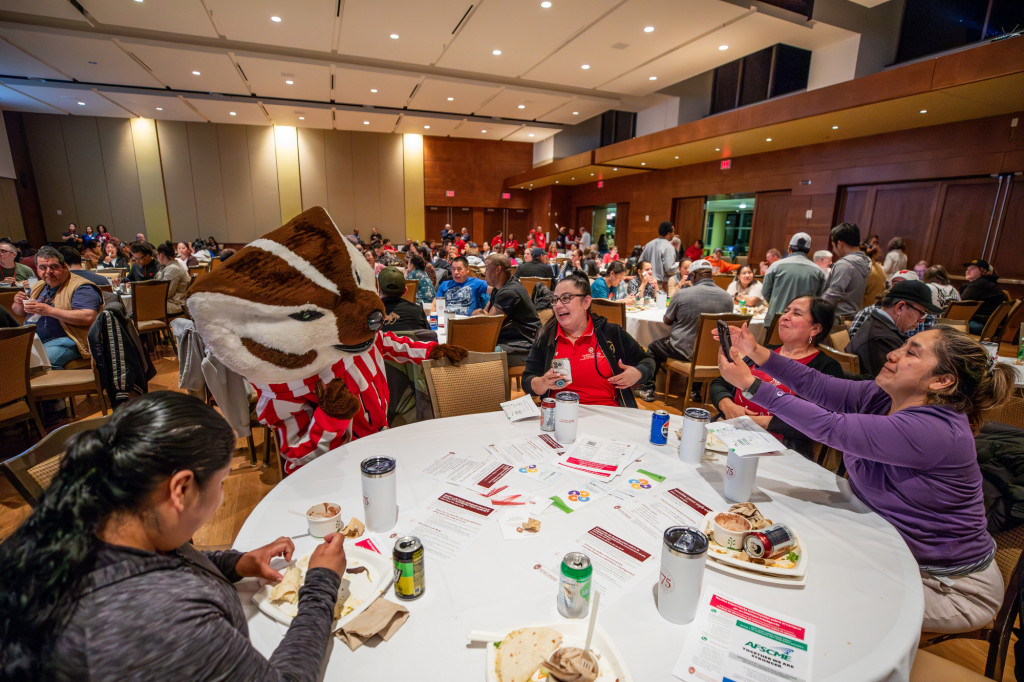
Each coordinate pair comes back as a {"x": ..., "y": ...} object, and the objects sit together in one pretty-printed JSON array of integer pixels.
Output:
[{"x": 725, "y": 338}]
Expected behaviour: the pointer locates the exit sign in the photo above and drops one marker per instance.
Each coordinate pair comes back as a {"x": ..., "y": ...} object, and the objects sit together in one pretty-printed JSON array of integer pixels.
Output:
[
  {"x": 600, "y": 184},
  {"x": 506, "y": 195},
  {"x": 725, "y": 164},
  {"x": 450, "y": 193}
]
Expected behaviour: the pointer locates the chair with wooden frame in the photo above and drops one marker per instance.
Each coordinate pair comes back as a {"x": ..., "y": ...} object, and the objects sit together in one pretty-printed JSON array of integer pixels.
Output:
[
  {"x": 960, "y": 310},
  {"x": 149, "y": 309},
  {"x": 65, "y": 384},
  {"x": 956, "y": 324},
  {"x": 613, "y": 311},
  {"x": 215, "y": 263},
  {"x": 478, "y": 333},
  {"x": 994, "y": 323},
  {"x": 477, "y": 384},
  {"x": 32, "y": 471},
  {"x": 16, "y": 404},
  {"x": 196, "y": 270},
  {"x": 1013, "y": 323},
  {"x": 411, "y": 286},
  {"x": 545, "y": 314},
  {"x": 703, "y": 363},
  {"x": 771, "y": 331},
  {"x": 401, "y": 255},
  {"x": 7, "y": 302},
  {"x": 723, "y": 280},
  {"x": 112, "y": 273},
  {"x": 848, "y": 361},
  {"x": 1011, "y": 412},
  {"x": 530, "y": 282},
  {"x": 839, "y": 340}
]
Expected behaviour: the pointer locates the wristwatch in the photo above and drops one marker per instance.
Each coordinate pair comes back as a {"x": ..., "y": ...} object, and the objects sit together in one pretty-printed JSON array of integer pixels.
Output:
[{"x": 749, "y": 392}]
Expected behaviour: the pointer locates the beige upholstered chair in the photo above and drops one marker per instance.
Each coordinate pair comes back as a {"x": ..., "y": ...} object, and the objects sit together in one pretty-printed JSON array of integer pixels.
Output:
[
  {"x": 703, "y": 363},
  {"x": 848, "y": 361},
  {"x": 961, "y": 310},
  {"x": 411, "y": 286},
  {"x": 478, "y": 384},
  {"x": 839, "y": 340},
  {"x": 7, "y": 302},
  {"x": 529, "y": 283},
  {"x": 149, "y": 309},
  {"x": 16, "y": 404},
  {"x": 995, "y": 321},
  {"x": 478, "y": 333},
  {"x": 613, "y": 311}
]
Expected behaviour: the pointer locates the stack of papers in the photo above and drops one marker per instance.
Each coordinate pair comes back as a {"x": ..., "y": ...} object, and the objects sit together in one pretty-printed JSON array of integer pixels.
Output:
[
  {"x": 744, "y": 437},
  {"x": 601, "y": 458}
]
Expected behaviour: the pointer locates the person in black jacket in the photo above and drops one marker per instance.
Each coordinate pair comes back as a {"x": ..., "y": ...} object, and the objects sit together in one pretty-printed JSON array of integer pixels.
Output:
[
  {"x": 399, "y": 314},
  {"x": 981, "y": 286},
  {"x": 604, "y": 362},
  {"x": 805, "y": 323},
  {"x": 900, "y": 310}
]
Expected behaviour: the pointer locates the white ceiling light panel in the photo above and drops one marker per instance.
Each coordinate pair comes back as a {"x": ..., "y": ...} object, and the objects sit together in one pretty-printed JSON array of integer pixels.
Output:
[
  {"x": 422, "y": 27},
  {"x": 579, "y": 109},
  {"x": 466, "y": 98},
  {"x": 174, "y": 67},
  {"x": 60, "y": 9},
  {"x": 531, "y": 134},
  {"x": 535, "y": 104},
  {"x": 16, "y": 101},
  {"x": 180, "y": 16},
  {"x": 302, "y": 117},
  {"x": 268, "y": 78},
  {"x": 219, "y": 111},
  {"x": 164, "y": 107},
  {"x": 364, "y": 122},
  {"x": 356, "y": 86},
  {"x": 16, "y": 63},
  {"x": 68, "y": 99},
  {"x": 306, "y": 25},
  {"x": 417, "y": 124},
  {"x": 483, "y": 130}
]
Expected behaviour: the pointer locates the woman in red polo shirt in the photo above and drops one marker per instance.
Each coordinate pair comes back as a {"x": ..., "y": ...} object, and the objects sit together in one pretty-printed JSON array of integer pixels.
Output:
[{"x": 604, "y": 361}]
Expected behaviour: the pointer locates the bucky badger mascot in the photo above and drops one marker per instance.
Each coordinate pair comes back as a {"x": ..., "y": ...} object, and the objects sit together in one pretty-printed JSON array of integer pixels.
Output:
[{"x": 297, "y": 313}]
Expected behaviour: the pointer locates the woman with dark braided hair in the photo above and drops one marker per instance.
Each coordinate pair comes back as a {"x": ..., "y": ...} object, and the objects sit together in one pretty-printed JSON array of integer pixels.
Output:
[
  {"x": 908, "y": 442},
  {"x": 100, "y": 581}
]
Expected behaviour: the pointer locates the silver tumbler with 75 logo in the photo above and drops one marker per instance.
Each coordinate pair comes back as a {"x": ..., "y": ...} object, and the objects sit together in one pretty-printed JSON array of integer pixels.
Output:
[{"x": 682, "y": 572}]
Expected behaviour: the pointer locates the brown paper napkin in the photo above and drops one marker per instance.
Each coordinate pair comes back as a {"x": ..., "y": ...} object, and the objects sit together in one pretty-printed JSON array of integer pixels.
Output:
[{"x": 381, "y": 619}]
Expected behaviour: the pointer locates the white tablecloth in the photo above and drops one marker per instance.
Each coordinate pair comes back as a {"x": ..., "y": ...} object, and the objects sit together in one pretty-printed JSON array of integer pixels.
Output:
[
  {"x": 648, "y": 325},
  {"x": 863, "y": 591},
  {"x": 1018, "y": 370}
]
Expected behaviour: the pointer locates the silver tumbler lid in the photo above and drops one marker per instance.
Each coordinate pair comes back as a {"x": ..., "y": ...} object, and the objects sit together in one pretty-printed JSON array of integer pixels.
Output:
[
  {"x": 377, "y": 466},
  {"x": 567, "y": 397},
  {"x": 686, "y": 540}
]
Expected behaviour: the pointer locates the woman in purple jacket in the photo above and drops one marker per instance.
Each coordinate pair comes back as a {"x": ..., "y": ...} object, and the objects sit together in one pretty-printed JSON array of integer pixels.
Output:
[{"x": 908, "y": 444}]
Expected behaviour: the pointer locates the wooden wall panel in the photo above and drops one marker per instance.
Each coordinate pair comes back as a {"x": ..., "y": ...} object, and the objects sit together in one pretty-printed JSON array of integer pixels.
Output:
[
  {"x": 122, "y": 173},
  {"x": 11, "y": 225},
  {"x": 85, "y": 162},
  {"x": 904, "y": 210},
  {"x": 475, "y": 170},
  {"x": 771, "y": 223},
  {"x": 312, "y": 167},
  {"x": 240, "y": 219},
  {"x": 207, "y": 181},
  {"x": 266, "y": 201},
  {"x": 177, "y": 167},
  {"x": 688, "y": 218},
  {"x": 340, "y": 192},
  {"x": 1009, "y": 246},
  {"x": 53, "y": 178}
]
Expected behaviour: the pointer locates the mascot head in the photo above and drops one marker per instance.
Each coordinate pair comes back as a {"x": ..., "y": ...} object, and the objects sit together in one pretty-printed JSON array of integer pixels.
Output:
[{"x": 290, "y": 304}]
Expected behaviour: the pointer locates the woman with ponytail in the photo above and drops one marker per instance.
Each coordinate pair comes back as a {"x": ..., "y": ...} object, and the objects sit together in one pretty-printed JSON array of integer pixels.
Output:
[
  {"x": 907, "y": 439},
  {"x": 100, "y": 582}
]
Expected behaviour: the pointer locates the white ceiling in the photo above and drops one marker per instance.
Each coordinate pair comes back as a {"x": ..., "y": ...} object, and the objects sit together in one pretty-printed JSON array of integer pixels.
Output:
[{"x": 128, "y": 57}]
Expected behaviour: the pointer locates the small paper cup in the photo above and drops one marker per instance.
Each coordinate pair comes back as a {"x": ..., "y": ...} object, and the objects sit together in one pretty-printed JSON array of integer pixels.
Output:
[
  {"x": 730, "y": 530},
  {"x": 321, "y": 525}
]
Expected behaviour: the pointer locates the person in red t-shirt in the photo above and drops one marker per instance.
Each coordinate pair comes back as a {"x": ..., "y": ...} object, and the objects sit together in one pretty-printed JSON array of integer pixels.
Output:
[
  {"x": 604, "y": 361},
  {"x": 538, "y": 238},
  {"x": 497, "y": 244},
  {"x": 512, "y": 243}
]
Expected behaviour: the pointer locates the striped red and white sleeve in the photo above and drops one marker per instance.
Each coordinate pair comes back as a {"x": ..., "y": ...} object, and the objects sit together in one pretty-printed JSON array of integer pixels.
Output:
[
  {"x": 404, "y": 349},
  {"x": 304, "y": 431}
]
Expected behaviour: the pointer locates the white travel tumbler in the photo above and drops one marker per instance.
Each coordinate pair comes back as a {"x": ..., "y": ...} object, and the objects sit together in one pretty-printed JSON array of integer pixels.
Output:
[
  {"x": 694, "y": 435},
  {"x": 740, "y": 473},
  {"x": 442, "y": 320},
  {"x": 567, "y": 412},
  {"x": 380, "y": 496},
  {"x": 683, "y": 556}
]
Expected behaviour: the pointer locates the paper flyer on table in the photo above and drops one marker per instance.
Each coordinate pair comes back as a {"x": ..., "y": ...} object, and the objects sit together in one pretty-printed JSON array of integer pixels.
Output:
[
  {"x": 733, "y": 640},
  {"x": 572, "y": 497},
  {"x": 634, "y": 482},
  {"x": 618, "y": 563},
  {"x": 527, "y": 451},
  {"x": 601, "y": 458},
  {"x": 652, "y": 514},
  {"x": 540, "y": 473},
  {"x": 467, "y": 471},
  {"x": 520, "y": 408},
  {"x": 449, "y": 524},
  {"x": 744, "y": 436}
]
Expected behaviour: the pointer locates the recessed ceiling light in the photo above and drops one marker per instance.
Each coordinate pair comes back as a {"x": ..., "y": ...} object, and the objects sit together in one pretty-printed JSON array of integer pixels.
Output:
[
  {"x": 530, "y": 135},
  {"x": 591, "y": 175},
  {"x": 677, "y": 157},
  {"x": 276, "y": 20},
  {"x": 717, "y": 149},
  {"x": 373, "y": 90},
  {"x": 394, "y": 36},
  {"x": 743, "y": 205},
  {"x": 585, "y": 66},
  {"x": 483, "y": 131},
  {"x": 522, "y": 106},
  {"x": 302, "y": 118},
  {"x": 231, "y": 113},
  {"x": 451, "y": 99},
  {"x": 195, "y": 73},
  {"x": 572, "y": 178},
  {"x": 138, "y": 0},
  {"x": 531, "y": 184},
  {"x": 290, "y": 82},
  {"x": 924, "y": 111},
  {"x": 648, "y": 29},
  {"x": 81, "y": 104},
  {"x": 652, "y": 78},
  {"x": 615, "y": 169},
  {"x": 643, "y": 163},
  {"x": 426, "y": 127},
  {"x": 767, "y": 139},
  {"x": 545, "y": 4},
  {"x": 496, "y": 53},
  {"x": 366, "y": 123},
  {"x": 835, "y": 127},
  {"x": 159, "y": 108},
  {"x": 723, "y": 48}
]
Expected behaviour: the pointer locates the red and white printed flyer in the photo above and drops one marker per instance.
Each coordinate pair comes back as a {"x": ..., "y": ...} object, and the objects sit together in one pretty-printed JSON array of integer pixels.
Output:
[
  {"x": 450, "y": 524},
  {"x": 602, "y": 458},
  {"x": 733, "y": 640}
]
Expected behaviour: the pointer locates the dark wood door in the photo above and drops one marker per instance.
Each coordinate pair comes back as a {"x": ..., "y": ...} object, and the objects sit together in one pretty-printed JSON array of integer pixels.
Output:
[
  {"x": 688, "y": 218},
  {"x": 904, "y": 210},
  {"x": 771, "y": 224},
  {"x": 1008, "y": 243},
  {"x": 518, "y": 225},
  {"x": 622, "y": 225},
  {"x": 964, "y": 213}
]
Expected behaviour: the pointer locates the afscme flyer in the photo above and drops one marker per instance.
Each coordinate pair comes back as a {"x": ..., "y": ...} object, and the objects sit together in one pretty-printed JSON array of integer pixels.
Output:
[{"x": 730, "y": 641}]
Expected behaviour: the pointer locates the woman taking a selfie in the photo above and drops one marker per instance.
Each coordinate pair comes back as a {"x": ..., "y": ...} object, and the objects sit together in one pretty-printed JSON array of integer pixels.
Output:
[
  {"x": 908, "y": 444},
  {"x": 102, "y": 583}
]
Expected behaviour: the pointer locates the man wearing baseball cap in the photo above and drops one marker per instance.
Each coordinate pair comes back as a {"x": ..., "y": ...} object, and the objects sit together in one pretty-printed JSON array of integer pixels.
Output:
[
  {"x": 536, "y": 265},
  {"x": 901, "y": 308},
  {"x": 684, "y": 311},
  {"x": 792, "y": 277},
  {"x": 981, "y": 286},
  {"x": 399, "y": 314}
]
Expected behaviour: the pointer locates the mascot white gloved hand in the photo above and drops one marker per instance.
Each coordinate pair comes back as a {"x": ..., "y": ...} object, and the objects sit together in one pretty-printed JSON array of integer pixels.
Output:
[{"x": 297, "y": 313}]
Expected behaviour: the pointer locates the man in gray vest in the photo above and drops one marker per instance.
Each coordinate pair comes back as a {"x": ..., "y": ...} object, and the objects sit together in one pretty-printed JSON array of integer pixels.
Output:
[{"x": 791, "y": 277}]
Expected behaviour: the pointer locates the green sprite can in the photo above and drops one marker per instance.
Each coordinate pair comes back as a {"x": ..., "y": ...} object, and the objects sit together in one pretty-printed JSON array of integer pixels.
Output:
[
  {"x": 410, "y": 580},
  {"x": 574, "y": 585}
]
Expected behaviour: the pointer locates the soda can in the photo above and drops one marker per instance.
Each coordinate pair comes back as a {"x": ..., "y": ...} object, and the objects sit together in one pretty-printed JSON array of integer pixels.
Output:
[
  {"x": 659, "y": 427},
  {"x": 683, "y": 557},
  {"x": 433, "y": 321},
  {"x": 767, "y": 542},
  {"x": 574, "y": 585},
  {"x": 547, "y": 414},
  {"x": 567, "y": 410},
  {"x": 694, "y": 435},
  {"x": 380, "y": 498},
  {"x": 410, "y": 580}
]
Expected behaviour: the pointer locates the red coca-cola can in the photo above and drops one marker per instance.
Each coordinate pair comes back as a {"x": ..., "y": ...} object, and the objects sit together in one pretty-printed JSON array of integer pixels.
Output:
[
  {"x": 767, "y": 542},
  {"x": 547, "y": 414}
]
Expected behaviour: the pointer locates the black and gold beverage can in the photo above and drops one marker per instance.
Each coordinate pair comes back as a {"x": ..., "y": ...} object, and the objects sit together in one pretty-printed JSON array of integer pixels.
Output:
[{"x": 407, "y": 556}]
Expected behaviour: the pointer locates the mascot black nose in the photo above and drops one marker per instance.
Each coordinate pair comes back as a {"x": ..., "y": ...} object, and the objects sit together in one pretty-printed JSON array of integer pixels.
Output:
[{"x": 375, "y": 321}]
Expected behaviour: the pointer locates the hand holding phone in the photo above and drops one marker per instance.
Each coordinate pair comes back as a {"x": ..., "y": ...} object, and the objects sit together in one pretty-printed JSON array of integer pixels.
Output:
[{"x": 725, "y": 338}]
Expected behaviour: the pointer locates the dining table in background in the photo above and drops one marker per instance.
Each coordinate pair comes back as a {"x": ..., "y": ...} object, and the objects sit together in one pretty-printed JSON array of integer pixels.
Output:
[{"x": 863, "y": 590}]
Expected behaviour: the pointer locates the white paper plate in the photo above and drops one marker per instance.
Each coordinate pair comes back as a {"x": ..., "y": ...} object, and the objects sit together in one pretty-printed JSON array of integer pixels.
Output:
[
  {"x": 364, "y": 591},
  {"x": 574, "y": 633},
  {"x": 725, "y": 560}
]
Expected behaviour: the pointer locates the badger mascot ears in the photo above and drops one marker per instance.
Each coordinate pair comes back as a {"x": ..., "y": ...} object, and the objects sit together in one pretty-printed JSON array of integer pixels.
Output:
[
  {"x": 290, "y": 304},
  {"x": 296, "y": 312}
]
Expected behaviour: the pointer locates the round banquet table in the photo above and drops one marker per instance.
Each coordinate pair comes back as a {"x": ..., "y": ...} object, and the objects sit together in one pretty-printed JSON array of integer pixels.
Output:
[
  {"x": 649, "y": 325},
  {"x": 863, "y": 592},
  {"x": 1018, "y": 370}
]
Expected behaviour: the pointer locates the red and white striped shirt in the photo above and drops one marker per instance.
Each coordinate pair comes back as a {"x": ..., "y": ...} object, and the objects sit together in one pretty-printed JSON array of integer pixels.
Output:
[{"x": 305, "y": 431}]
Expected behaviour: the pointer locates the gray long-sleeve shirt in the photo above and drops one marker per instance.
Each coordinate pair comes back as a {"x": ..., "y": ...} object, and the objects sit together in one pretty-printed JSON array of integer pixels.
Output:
[
  {"x": 661, "y": 255},
  {"x": 177, "y": 616},
  {"x": 846, "y": 283}
]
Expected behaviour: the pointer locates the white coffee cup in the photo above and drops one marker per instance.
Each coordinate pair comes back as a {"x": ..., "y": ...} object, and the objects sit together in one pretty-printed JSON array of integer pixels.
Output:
[
  {"x": 320, "y": 524},
  {"x": 740, "y": 473}
]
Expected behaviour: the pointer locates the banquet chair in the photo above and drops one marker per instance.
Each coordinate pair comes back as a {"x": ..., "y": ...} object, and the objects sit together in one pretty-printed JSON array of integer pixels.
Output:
[
  {"x": 7, "y": 301},
  {"x": 1011, "y": 412},
  {"x": 16, "y": 404},
  {"x": 530, "y": 282},
  {"x": 149, "y": 313},
  {"x": 411, "y": 286},
  {"x": 703, "y": 363},
  {"x": 545, "y": 314},
  {"x": 479, "y": 333},
  {"x": 613, "y": 311},
  {"x": 1013, "y": 322},
  {"x": 478, "y": 384},
  {"x": 196, "y": 270},
  {"x": 839, "y": 340},
  {"x": 61, "y": 384},
  {"x": 994, "y": 323},
  {"x": 32, "y": 471},
  {"x": 723, "y": 280},
  {"x": 958, "y": 324},
  {"x": 771, "y": 331},
  {"x": 848, "y": 361},
  {"x": 112, "y": 273},
  {"x": 215, "y": 263},
  {"x": 960, "y": 310},
  {"x": 400, "y": 255},
  {"x": 929, "y": 667}
]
